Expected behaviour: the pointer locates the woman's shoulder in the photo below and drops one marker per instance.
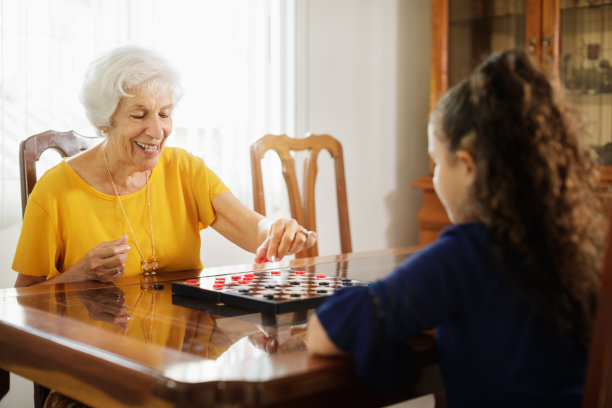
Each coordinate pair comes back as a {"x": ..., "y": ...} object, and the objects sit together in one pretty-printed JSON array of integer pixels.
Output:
[
  {"x": 179, "y": 155},
  {"x": 184, "y": 162},
  {"x": 52, "y": 184},
  {"x": 55, "y": 177}
]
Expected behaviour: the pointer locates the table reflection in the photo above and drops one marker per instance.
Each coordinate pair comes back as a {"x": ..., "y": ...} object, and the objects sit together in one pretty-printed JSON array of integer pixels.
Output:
[
  {"x": 135, "y": 343},
  {"x": 149, "y": 312},
  {"x": 145, "y": 310}
]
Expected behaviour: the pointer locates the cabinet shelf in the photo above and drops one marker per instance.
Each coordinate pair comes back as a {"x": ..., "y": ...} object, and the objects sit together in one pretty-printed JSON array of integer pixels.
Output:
[
  {"x": 558, "y": 33},
  {"x": 584, "y": 5},
  {"x": 492, "y": 19}
]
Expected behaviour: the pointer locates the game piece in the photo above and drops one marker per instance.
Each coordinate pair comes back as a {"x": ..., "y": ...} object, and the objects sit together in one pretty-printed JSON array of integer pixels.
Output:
[{"x": 270, "y": 291}]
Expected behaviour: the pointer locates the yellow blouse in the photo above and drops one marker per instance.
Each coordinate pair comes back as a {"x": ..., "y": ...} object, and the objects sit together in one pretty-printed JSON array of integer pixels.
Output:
[{"x": 66, "y": 217}]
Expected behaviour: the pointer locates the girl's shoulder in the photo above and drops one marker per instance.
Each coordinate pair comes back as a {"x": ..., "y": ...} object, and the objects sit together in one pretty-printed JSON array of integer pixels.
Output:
[
  {"x": 460, "y": 247},
  {"x": 467, "y": 234}
]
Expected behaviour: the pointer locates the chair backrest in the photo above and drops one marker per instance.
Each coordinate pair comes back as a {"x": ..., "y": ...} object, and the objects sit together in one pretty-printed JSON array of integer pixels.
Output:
[
  {"x": 303, "y": 210},
  {"x": 66, "y": 143},
  {"x": 598, "y": 384}
]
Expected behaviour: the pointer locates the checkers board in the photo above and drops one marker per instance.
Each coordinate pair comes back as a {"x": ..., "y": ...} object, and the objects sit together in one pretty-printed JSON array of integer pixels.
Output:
[{"x": 270, "y": 291}]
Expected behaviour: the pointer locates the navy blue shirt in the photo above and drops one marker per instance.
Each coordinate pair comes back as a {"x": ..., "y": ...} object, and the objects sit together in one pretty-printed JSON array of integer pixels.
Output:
[{"x": 493, "y": 351}]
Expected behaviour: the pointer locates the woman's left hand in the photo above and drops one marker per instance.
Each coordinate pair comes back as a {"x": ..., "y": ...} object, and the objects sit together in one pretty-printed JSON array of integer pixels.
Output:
[{"x": 285, "y": 237}]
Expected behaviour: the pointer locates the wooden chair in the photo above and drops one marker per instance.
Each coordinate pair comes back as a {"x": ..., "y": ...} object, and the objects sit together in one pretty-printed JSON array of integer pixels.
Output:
[
  {"x": 65, "y": 143},
  {"x": 303, "y": 209},
  {"x": 598, "y": 384}
]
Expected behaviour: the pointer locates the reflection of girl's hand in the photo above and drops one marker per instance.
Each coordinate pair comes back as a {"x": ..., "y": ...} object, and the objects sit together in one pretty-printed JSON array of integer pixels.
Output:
[
  {"x": 295, "y": 342},
  {"x": 279, "y": 340},
  {"x": 269, "y": 344}
]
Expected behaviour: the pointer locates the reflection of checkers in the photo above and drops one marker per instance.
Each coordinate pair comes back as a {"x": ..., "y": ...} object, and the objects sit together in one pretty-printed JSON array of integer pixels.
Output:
[{"x": 270, "y": 291}]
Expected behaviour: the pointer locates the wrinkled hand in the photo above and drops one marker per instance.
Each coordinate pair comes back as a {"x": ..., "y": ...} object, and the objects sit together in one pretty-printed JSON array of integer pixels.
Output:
[
  {"x": 106, "y": 262},
  {"x": 285, "y": 237}
]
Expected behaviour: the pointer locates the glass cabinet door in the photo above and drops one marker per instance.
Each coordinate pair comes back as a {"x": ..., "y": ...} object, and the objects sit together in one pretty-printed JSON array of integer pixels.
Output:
[
  {"x": 478, "y": 28},
  {"x": 586, "y": 68}
]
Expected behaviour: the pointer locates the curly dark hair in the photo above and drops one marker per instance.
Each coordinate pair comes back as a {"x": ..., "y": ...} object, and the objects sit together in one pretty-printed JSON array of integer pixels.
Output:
[{"x": 536, "y": 183}]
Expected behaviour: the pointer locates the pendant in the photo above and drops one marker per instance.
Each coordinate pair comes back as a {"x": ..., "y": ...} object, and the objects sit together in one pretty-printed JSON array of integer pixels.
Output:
[{"x": 149, "y": 266}]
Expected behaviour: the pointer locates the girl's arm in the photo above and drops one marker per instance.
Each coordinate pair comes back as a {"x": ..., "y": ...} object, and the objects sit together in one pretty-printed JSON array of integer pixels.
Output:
[{"x": 317, "y": 340}]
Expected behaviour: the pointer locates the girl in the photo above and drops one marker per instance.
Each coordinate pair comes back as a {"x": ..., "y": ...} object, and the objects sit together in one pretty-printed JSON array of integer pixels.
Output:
[{"x": 511, "y": 288}]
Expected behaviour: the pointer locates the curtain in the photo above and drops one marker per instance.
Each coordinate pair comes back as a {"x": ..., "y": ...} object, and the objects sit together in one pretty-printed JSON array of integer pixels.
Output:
[{"x": 235, "y": 58}]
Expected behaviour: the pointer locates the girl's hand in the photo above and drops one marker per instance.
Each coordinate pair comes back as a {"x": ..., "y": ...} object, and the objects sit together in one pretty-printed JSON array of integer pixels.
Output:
[{"x": 285, "y": 237}]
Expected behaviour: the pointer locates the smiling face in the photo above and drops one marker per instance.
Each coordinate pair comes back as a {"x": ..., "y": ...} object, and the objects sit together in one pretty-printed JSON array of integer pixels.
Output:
[
  {"x": 139, "y": 129},
  {"x": 454, "y": 174}
]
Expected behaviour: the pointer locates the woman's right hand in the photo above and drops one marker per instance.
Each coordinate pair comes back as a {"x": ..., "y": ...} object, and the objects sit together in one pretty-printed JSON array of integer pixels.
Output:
[{"x": 104, "y": 263}]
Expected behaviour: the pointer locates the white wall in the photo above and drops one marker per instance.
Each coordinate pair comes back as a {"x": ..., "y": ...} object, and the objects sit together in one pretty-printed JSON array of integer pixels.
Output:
[
  {"x": 363, "y": 76},
  {"x": 368, "y": 85}
]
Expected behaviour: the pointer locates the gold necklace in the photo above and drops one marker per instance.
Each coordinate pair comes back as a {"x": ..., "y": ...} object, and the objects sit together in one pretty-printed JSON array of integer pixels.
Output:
[{"x": 150, "y": 265}]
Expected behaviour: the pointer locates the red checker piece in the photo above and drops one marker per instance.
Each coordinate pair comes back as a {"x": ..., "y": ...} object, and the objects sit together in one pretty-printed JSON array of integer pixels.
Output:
[
  {"x": 191, "y": 281},
  {"x": 244, "y": 282},
  {"x": 218, "y": 286},
  {"x": 300, "y": 272},
  {"x": 321, "y": 276},
  {"x": 249, "y": 275},
  {"x": 236, "y": 277},
  {"x": 275, "y": 273}
]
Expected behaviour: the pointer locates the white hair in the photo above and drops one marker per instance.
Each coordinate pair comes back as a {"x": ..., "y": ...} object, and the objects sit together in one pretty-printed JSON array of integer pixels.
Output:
[{"x": 128, "y": 67}]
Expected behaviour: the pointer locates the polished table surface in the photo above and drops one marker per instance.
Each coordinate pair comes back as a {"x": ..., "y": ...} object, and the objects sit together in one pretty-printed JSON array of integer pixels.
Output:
[{"x": 128, "y": 344}]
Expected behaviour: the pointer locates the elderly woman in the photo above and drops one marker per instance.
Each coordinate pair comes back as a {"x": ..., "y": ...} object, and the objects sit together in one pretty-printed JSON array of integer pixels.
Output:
[{"x": 130, "y": 205}]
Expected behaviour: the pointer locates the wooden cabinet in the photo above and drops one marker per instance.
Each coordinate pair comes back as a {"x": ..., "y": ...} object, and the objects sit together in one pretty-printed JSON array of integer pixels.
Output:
[
  {"x": 585, "y": 68},
  {"x": 571, "y": 38}
]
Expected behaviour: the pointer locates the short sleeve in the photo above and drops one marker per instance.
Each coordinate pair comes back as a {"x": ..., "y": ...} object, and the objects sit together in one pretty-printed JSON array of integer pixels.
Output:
[
  {"x": 206, "y": 185},
  {"x": 39, "y": 246},
  {"x": 193, "y": 183}
]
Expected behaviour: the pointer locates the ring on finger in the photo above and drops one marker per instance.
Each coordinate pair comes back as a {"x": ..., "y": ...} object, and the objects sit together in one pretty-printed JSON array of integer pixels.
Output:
[
  {"x": 117, "y": 269},
  {"x": 303, "y": 231}
]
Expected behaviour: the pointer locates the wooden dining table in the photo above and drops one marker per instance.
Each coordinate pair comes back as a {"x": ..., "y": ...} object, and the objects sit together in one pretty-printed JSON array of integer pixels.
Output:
[{"x": 135, "y": 343}]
